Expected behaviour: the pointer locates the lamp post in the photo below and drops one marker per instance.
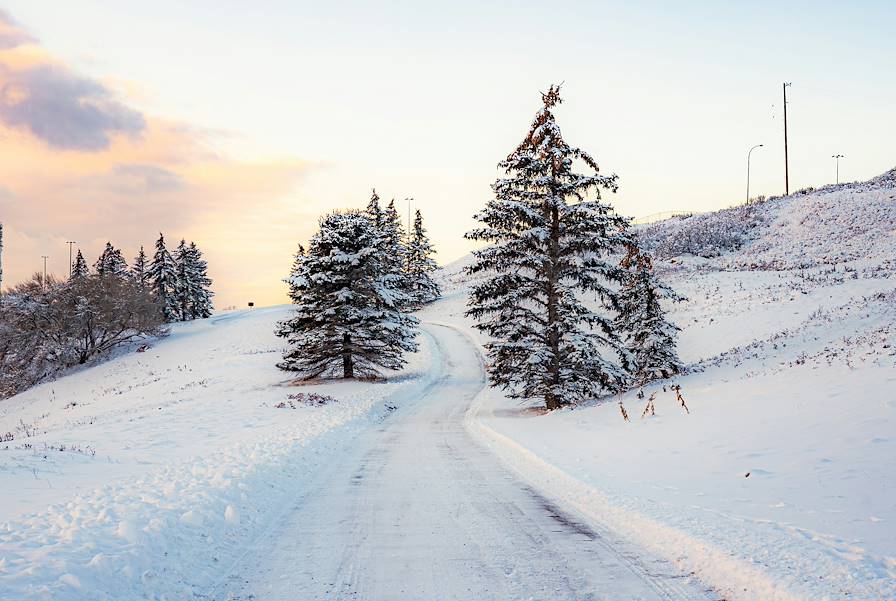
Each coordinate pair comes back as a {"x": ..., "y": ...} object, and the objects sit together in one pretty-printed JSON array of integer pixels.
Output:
[
  {"x": 45, "y": 257},
  {"x": 748, "y": 169},
  {"x": 837, "y": 158},
  {"x": 70, "y": 244},
  {"x": 786, "y": 163}
]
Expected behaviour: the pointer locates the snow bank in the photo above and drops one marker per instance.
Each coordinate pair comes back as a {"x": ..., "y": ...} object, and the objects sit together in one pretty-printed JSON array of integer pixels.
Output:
[{"x": 170, "y": 462}]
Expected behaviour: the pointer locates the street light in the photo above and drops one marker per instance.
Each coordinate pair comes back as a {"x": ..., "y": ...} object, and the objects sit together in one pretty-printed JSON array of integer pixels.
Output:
[
  {"x": 748, "y": 169},
  {"x": 70, "y": 244},
  {"x": 837, "y": 158},
  {"x": 45, "y": 257}
]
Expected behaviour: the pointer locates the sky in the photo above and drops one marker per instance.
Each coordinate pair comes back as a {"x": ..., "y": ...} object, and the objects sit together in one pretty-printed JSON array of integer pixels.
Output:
[{"x": 237, "y": 126}]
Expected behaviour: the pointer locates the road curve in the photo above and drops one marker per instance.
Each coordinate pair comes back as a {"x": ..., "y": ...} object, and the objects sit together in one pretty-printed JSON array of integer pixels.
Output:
[{"x": 417, "y": 509}]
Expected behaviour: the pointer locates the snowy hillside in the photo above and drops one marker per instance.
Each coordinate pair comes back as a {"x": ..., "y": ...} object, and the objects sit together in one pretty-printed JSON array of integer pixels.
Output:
[
  {"x": 781, "y": 483},
  {"x": 844, "y": 224},
  {"x": 145, "y": 476}
]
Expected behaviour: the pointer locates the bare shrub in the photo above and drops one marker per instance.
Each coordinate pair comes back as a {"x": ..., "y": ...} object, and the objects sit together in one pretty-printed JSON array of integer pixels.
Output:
[
  {"x": 46, "y": 326},
  {"x": 707, "y": 235},
  {"x": 308, "y": 399},
  {"x": 650, "y": 408}
]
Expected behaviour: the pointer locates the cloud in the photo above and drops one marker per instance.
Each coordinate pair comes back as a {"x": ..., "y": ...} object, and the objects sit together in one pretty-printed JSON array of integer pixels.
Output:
[
  {"x": 64, "y": 110},
  {"x": 80, "y": 164},
  {"x": 45, "y": 98},
  {"x": 11, "y": 35},
  {"x": 165, "y": 179},
  {"x": 148, "y": 179}
]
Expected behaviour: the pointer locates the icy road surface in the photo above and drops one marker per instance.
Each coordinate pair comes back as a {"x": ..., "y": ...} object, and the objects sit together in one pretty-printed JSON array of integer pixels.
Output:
[{"x": 417, "y": 509}]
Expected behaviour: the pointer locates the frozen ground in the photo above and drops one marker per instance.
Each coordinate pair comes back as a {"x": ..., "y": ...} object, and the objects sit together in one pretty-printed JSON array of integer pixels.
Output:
[{"x": 781, "y": 483}]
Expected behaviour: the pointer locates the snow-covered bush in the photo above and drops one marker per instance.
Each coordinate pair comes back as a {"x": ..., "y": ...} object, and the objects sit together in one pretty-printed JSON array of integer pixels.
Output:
[{"x": 48, "y": 325}]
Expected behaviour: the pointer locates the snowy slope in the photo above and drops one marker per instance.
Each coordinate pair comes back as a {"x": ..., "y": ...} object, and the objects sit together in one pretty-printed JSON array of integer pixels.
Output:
[
  {"x": 145, "y": 476},
  {"x": 781, "y": 483}
]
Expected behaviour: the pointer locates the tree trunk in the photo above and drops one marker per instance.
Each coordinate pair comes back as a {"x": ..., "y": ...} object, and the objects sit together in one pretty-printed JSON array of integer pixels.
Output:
[
  {"x": 550, "y": 399},
  {"x": 348, "y": 366}
]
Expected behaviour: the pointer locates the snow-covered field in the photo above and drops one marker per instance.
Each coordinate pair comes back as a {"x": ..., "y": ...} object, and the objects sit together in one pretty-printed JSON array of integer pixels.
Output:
[
  {"x": 781, "y": 482},
  {"x": 144, "y": 477},
  {"x": 154, "y": 474}
]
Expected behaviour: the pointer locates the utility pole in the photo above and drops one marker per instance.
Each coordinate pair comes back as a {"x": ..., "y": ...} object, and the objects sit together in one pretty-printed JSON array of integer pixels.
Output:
[
  {"x": 837, "y": 158},
  {"x": 786, "y": 163},
  {"x": 748, "y": 170},
  {"x": 45, "y": 257},
  {"x": 70, "y": 244}
]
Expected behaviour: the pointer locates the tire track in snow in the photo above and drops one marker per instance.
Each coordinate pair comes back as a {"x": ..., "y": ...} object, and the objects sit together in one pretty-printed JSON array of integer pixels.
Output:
[{"x": 418, "y": 509}]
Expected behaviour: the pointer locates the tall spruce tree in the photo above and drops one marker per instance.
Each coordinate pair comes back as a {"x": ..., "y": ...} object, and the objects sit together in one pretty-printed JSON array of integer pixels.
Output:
[
  {"x": 375, "y": 211},
  {"x": 389, "y": 242},
  {"x": 162, "y": 277},
  {"x": 549, "y": 236},
  {"x": 111, "y": 262},
  {"x": 395, "y": 257},
  {"x": 194, "y": 297},
  {"x": 346, "y": 321},
  {"x": 649, "y": 338},
  {"x": 186, "y": 285},
  {"x": 420, "y": 265},
  {"x": 139, "y": 271},
  {"x": 394, "y": 234},
  {"x": 201, "y": 305},
  {"x": 80, "y": 270}
]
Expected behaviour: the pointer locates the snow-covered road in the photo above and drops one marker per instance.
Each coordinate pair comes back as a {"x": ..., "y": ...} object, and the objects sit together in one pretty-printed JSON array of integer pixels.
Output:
[{"x": 418, "y": 509}]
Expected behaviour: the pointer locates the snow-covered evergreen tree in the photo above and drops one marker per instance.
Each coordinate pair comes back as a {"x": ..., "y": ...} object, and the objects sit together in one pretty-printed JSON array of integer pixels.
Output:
[
  {"x": 193, "y": 294},
  {"x": 649, "y": 338},
  {"x": 549, "y": 236},
  {"x": 421, "y": 265},
  {"x": 111, "y": 262},
  {"x": 394, "y": 234},
  {"x": 375, "y": 211},
  {"x": 395, "y": 257},
  {"x": 139, "y": 270},
  {"x": 346, "y": 321},
  {"x": 80, "y": 270},
  {"x": 294, "y": 291},
  {"x": 162, "y": 277},
  {"x": 201, "y": 305},
  {"x": 186, "y": 285},
  {"x": 390, "y": 244}
]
